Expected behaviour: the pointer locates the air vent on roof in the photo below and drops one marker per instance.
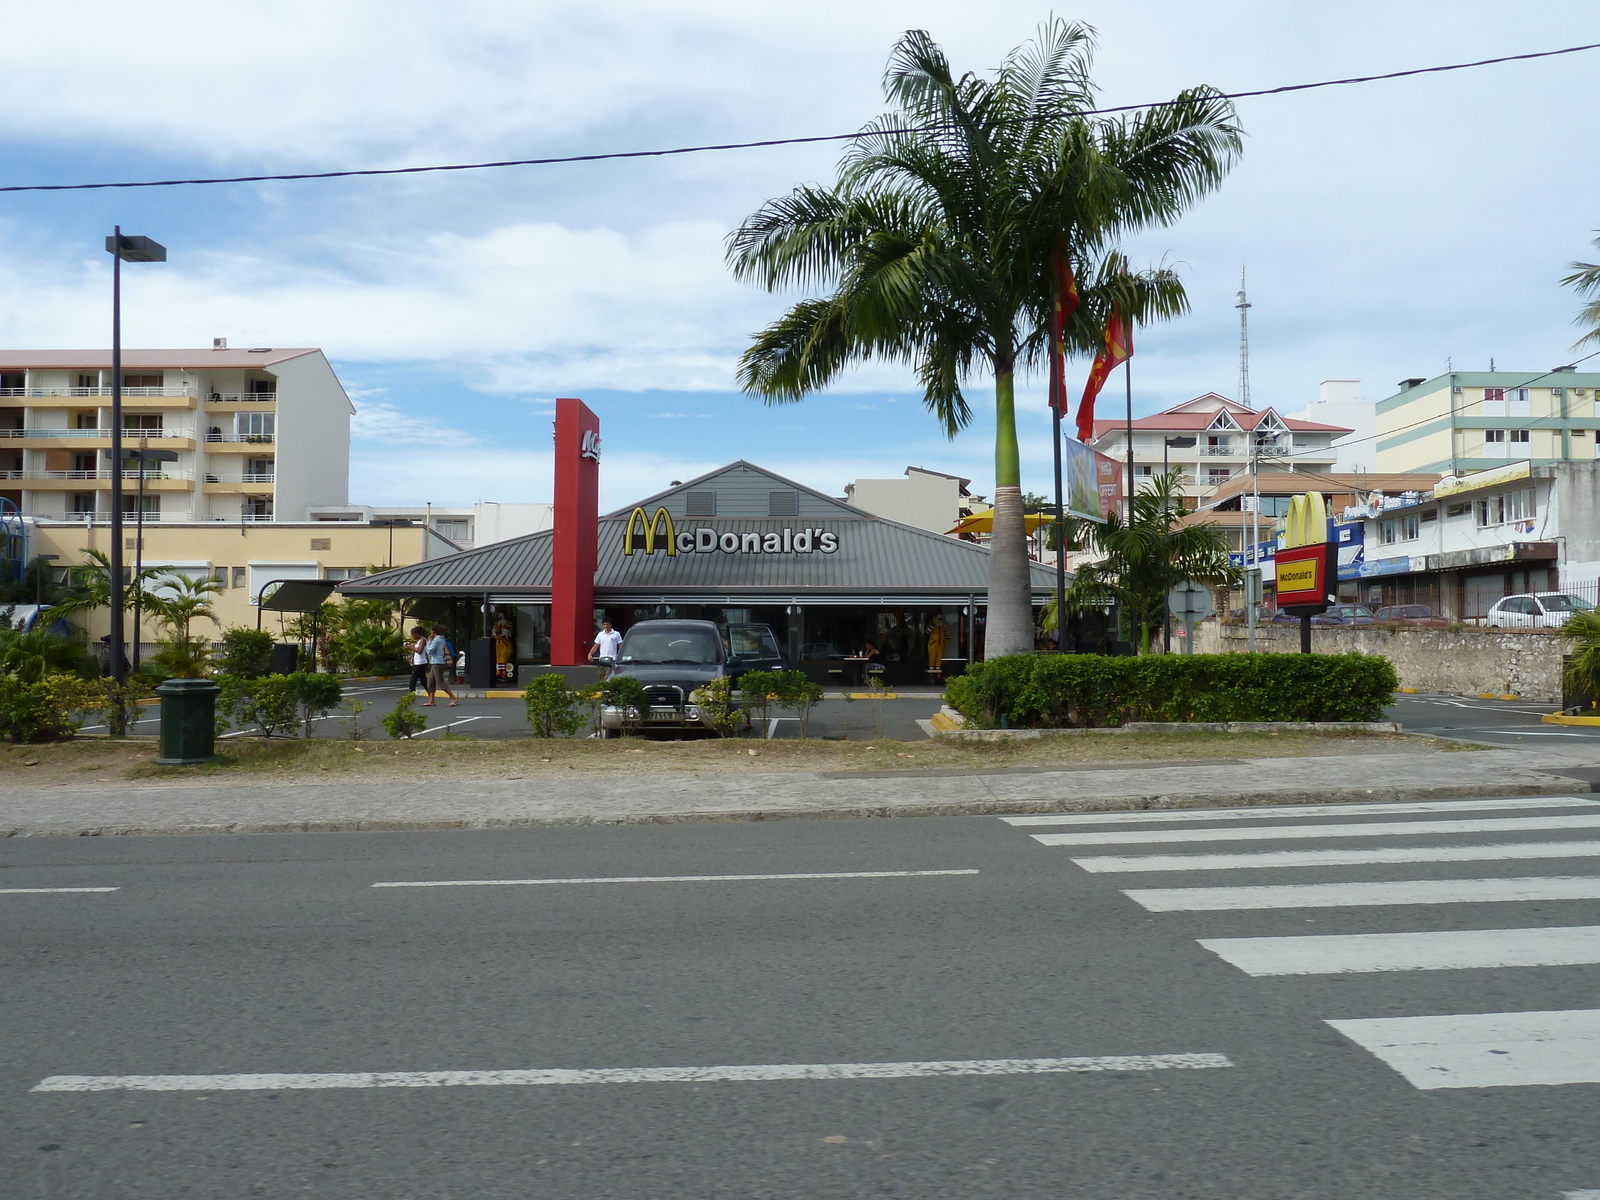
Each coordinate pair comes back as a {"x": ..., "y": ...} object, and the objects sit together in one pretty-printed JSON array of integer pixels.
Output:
[
  {"x": 701, "y": 504},
  {"x": 219, "y": 343},
  {"x": 261, "y": 350},
  {"x": 783, "y": 504}
]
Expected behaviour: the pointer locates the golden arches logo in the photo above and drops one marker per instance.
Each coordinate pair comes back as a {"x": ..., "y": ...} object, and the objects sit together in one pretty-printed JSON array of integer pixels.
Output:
[
  {"x": 649, "y": 527},
  {"x": 1307, "y": 522}
]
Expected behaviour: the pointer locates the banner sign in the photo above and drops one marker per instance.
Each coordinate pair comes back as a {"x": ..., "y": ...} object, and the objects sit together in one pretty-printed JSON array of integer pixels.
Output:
[
  {"x": 1303, "y": 576},
  {"x": 1451, "y": 485},
  {"x": 1093, "y": 481},
  {"x": 650, "y": 534},
  {"x": 1351, "y": 540}
]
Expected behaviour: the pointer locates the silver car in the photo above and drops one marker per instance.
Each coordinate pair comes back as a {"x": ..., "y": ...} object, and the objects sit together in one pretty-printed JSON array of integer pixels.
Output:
[{"x": 1535, "y": 610}]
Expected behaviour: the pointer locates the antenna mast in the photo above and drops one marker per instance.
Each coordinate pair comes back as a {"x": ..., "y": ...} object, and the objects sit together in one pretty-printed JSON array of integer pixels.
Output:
[{"x": 1244, "y": 343}]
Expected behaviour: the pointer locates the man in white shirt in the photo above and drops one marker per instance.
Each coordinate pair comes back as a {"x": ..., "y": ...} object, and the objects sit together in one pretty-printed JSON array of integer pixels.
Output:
[{"x": 606, "y": 644}]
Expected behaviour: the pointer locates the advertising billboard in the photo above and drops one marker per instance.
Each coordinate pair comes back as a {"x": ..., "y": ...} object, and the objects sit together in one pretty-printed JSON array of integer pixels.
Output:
[{"x": 1093, "y": 484}]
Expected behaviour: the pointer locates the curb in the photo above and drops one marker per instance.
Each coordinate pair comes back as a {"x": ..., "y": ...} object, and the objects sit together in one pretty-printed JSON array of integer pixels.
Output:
[
  {"x": 1153, "y": 802},
  {"x": 1000, "y": 735}
]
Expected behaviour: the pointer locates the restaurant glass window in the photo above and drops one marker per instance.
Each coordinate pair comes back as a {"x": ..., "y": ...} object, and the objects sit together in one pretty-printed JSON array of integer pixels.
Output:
[{"x": 533, "y": 633}]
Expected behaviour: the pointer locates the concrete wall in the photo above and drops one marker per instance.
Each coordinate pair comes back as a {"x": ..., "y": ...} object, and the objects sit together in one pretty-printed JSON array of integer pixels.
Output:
[
  {"x": 930, "y": 502},
  {"x": 1455, "y": 662},
  {"x": 313, "y": 448}
]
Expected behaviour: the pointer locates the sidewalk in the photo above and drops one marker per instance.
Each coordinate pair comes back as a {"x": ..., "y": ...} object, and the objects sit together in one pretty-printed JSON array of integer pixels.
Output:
[{"x": 246, "y": 807}]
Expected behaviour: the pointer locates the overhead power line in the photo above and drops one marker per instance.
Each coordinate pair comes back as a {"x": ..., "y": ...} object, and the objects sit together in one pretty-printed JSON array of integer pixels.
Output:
[{"x": 764, "y": 143}]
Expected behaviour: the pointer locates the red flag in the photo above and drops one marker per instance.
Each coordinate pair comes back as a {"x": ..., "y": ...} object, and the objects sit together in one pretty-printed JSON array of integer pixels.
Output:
[
  {"x": 1066, "y": 305},
  {"x": 1119, "y": 348}
]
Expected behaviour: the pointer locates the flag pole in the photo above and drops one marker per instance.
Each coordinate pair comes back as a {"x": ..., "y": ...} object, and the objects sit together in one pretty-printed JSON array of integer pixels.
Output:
[
  {"x": 1061, "y": 537},
  {"x": 1127, "y": 377}
]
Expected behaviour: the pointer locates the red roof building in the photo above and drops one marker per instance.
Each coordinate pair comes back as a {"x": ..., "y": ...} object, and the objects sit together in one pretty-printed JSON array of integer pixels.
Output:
[{"x": 1227, "y": 437}]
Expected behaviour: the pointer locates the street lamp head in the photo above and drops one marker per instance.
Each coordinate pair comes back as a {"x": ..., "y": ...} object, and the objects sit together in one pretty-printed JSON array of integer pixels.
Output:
[{"x": 129, "y": 248}]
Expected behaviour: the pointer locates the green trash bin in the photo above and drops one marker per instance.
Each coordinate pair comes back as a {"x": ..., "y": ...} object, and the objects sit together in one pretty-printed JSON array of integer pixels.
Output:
[{"x": 188, "y": 721}]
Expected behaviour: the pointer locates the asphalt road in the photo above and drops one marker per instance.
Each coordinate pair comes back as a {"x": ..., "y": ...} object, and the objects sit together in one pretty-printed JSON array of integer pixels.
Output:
[
  {"x": 931, "y": 1013},
  {"x": 1497, "y": 722}
]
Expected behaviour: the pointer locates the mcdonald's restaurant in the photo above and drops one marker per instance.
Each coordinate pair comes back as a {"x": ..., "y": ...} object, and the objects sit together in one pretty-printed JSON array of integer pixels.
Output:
[{"x": 739, "y": 545}]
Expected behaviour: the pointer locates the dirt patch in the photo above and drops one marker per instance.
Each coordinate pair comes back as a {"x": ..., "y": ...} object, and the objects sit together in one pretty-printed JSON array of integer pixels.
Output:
[{"x": 85, "y": 762}]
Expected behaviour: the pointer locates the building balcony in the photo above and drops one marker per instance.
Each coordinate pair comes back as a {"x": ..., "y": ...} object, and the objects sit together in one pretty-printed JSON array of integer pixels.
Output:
[
  {"x": 246, "y": 483},
  {"x": 229, "y": 401},
  {"x": 77, "y": 481},
  {"x": 224, "y": 443},
  {"x": 83, "y": 439},
  {"x": 140, "y": 397}
]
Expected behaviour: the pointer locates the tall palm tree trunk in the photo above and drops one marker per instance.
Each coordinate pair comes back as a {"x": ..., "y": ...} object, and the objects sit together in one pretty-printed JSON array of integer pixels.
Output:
[{"x": 1010, "y": 625}]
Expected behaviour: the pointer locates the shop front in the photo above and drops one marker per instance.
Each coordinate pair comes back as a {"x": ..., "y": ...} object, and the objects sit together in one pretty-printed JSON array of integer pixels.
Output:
[{"x": 838, "y": 587}]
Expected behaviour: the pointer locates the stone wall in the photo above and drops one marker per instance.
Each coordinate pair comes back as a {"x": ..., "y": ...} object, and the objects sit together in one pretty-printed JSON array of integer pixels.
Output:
[{"x": 1460, "y": 662}]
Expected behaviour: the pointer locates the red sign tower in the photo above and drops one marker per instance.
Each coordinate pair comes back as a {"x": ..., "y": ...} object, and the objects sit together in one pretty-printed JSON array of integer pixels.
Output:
[{"x": 574, "y": 542}]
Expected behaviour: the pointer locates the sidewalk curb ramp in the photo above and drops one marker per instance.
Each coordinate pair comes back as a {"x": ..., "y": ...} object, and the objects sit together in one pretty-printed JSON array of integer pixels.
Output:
[{"x": 1557, "y": 785}]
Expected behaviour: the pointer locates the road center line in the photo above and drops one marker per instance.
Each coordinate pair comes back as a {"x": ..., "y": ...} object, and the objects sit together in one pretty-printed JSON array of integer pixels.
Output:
[
  {"x": 1296, "y": 810},
  {"x": 673, "y": 878},
  {"x": 1370, "y": 829},
  {"x": 729, "y": 1074},
  {"x": 51, "y": 891}
]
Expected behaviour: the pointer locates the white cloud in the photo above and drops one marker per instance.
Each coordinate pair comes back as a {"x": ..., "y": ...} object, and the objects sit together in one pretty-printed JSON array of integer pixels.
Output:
[{"x": 385, "y": 425}]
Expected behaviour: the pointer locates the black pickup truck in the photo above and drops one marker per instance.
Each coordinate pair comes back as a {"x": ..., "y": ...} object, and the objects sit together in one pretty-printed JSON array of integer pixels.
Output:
[{"x": 674, "y": 658}]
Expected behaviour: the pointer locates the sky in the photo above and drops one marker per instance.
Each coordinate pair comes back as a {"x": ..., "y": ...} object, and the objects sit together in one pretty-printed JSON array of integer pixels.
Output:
[{"x": 1388, "y": 229}]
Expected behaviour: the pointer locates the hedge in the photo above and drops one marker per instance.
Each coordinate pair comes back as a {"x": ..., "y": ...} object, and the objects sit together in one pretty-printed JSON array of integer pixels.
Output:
[{"x": 1053, "y": 691}]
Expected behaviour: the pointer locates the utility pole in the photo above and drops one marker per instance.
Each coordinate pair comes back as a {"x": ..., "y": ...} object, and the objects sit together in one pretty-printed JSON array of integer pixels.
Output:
[{"x": 1252, "y": 554}]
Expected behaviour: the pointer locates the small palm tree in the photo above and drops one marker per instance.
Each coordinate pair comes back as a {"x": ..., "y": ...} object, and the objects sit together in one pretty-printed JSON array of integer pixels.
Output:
[
  {"x": 182, "y": 601},
  {"x": 936, "y": 247},
  {"x": 1583, "y": 672},
  {"x": 1144, "y": 558},
  {"x": 1585, "y": 280},
  {"x": 32, "y": 656},
  {"x": 89, "y": 587}
]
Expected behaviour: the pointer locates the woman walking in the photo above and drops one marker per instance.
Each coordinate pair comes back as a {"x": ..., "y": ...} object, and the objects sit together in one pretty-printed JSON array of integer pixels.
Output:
[
  {"x": 419, "y": 659},
  {"x": 439, "y": 667}
]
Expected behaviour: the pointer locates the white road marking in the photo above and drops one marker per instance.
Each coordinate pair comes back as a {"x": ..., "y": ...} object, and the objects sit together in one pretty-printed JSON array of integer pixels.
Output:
[
  {"x": 1348, "y": 895},
  {"x": 51, "y": 891},
  {"x": 1584, "y": 1195},
  {"x": 1450, "y": 950},
  {"x": 1252, "y": 833},
  {"x": 1486, "y": 1049},
  {"x": 1336, "y": 858},
  {"x": 677, "y": 878},
  {"x": 452, "y": 723},
  {"x": 1295, "y": 810},
  {"x": 776, "y": 1071}
]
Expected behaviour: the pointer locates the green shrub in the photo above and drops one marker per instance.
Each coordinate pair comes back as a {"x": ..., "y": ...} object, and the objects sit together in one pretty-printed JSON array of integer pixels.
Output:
[
  {"x": 715, "y": 699},
  {"x": 626, "y": 693},
  {"x": 245, "y": 654},
  {"x": 1089, "y": 690},
  {"x": 552, "y": 706},
  {"x": 268, "y": 702},
  {"x": 799, "y": 693},
  {"x": 404, "y": 721},
  {"x": 314, "y": 695},
  {"x": 46, "y": 710},
  {"x": 37, "y": 654},
  {"x": 182, "y": 657},
  {"x": 759, "y": 691},
  {"x": 369, "y": 649}
]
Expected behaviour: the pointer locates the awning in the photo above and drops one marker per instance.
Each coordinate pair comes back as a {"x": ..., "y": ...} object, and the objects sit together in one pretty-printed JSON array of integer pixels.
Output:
[
  {"x": 983, "y": 522},
  {"x": 297, "y": 595}
]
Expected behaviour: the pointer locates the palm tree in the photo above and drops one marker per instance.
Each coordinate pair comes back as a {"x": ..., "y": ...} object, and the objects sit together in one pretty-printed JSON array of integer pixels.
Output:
[
  {"x": 32, "y": 656},
  {"x": 1585, "y": 280},
  {"x": 939, "y": 238},
  {"x": 1144, "y": 558},
  {"x": 182, "y": 601},
  {"x": 89, "y": 588}
]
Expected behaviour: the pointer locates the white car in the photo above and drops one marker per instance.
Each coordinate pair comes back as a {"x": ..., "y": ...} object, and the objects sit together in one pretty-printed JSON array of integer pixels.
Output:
[{"x": 1535, "y": 610}]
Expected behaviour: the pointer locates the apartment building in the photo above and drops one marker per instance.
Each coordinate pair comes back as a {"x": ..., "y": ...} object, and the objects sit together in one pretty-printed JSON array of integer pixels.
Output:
[
  {"x": 465, "y": 525},
  {"x": 927, "y": 499},
  {"x": 1476, "y": 420},
  {"x": 260, "y": 434},
  {"x": 1227, "y": 437}
]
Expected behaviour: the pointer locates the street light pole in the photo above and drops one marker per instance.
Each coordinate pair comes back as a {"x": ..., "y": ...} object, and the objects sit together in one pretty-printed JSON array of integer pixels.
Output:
[
  {"x": 133, "y": 249},
  {"x": 144, "y": 456}
]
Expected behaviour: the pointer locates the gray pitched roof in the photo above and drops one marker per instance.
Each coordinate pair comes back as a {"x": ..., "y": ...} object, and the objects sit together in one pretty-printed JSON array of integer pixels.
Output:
[{"x": 875, "y": 558}]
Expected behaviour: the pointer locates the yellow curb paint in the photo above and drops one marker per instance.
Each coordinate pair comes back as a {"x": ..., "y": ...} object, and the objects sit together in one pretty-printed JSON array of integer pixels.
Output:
[
  {"x": 942, "y": 723},
  {"x": 1509, "y": 696},
  {"x": 1562, "y": 719},
  {"x": 502, "y": 694},
  {"x": 874, "y": 695},
  {"x": 1407, "y": 691},
  {"x": 1487, "y": 696}
]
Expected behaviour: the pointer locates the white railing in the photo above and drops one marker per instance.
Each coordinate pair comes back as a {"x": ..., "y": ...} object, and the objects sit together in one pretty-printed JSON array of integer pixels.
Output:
[
  {"x": 104, "y": 473},
  {"x": 9, "y": 473},
  {"x": 255, "y": 517},
  {"x": 127, "y": 434},
  {"x": 241, "y": 397},
  {"x": 263, "y": 439},
  {"x": 1221, "y": 451},
  {"x": 242, "y": 477},
  {"x": 84, "y": 392}
]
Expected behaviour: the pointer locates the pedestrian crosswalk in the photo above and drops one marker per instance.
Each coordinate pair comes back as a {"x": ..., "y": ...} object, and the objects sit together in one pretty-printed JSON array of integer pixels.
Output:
[{"x": 1429, "y": 1049}]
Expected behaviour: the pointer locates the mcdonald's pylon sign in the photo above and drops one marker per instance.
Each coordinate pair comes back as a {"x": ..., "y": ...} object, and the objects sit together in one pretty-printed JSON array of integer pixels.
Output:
[
  {"x": 1307, "y": 522},
  {"x": 649, "y": 527}
]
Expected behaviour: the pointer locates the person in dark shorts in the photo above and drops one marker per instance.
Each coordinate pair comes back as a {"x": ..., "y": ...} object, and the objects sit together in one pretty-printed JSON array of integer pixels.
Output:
[
  {"x": 440, "y": 668},
  {"x": 419, "y": 659}
]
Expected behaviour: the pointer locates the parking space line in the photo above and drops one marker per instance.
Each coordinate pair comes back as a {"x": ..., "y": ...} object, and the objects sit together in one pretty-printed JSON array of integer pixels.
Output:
[
  {"x": 726, "y": 1074},
  {"x": 677, "y": 878}
]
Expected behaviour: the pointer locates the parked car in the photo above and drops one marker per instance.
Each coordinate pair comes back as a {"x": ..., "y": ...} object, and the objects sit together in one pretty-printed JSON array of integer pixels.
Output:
[
  {"x": 1535, "y": 610},
  {"x": 1345, "y": 614},
  {"x": 1408, "y": 614},
  {"x": 674, "y": 658}
]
